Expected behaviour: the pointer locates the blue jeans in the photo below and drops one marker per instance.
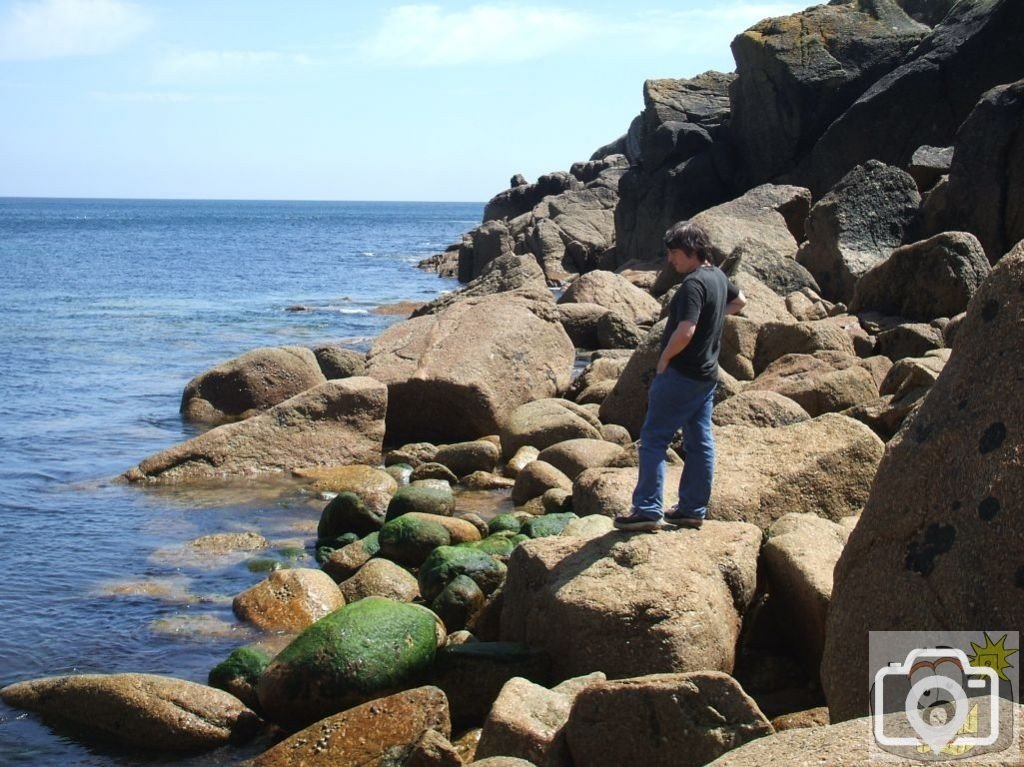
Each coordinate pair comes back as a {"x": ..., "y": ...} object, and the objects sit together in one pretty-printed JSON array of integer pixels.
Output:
[{"x": 677, "y": 402}]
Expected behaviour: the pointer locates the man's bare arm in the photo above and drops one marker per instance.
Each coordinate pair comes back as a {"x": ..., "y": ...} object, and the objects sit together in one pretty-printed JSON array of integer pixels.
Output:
[
  {"x": 678, "y": 341},
  {"x": 736, "y": 305}
]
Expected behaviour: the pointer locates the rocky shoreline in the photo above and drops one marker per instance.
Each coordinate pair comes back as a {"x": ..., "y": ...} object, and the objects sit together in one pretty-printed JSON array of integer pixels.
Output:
[{"x": 860, "y": 178}]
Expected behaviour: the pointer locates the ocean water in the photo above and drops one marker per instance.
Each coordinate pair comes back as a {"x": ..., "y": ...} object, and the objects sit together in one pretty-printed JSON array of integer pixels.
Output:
[{"x": 107, "y": 309}]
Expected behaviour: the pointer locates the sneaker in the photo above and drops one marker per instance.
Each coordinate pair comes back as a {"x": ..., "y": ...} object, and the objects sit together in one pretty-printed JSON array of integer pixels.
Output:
[
  {"x": 637, "y": 521},
  {"x": 677, "y": 518}
]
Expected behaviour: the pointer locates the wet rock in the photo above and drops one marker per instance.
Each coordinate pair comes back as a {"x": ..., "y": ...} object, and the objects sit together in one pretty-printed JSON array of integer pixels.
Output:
[
  {"x": 536, "y": 479},
  {"x": 422, "y": 498},
  {"x": 348, "y": 513},
  {"x": 446, "y": 563},
  {"x": 343, "y": 563},
  {"x": 289, "y": 600},
  {"x": 381, "y": 578},
  {"x": 239, "y": 673},
  {"x": 372, "y": 485},
  {"x": 467, "y": 457},
  {"x": 409, "y": 540}
]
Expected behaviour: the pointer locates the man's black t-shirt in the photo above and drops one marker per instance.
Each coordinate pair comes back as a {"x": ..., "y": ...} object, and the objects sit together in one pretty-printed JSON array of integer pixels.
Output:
[{"x": 701, "y": 299}]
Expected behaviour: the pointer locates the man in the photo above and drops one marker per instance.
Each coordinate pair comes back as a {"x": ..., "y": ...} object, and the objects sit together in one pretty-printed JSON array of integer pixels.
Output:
[{"x": 683, "y": 390}]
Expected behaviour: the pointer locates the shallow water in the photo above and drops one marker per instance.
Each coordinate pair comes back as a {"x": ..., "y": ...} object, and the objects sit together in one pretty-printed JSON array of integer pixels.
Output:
[{"x": 108, "y": 308}]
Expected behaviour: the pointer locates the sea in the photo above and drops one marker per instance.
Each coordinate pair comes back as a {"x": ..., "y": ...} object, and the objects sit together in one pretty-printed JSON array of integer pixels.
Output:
[{"x": 107, "y": 309}]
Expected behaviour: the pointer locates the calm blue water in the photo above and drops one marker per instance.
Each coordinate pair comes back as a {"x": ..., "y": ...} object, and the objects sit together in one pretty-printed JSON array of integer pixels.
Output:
[{"x": 107, "y": 309}]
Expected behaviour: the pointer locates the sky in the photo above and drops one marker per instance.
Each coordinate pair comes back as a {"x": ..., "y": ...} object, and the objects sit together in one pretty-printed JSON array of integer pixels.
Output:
[{"x": 333, "y": 99}]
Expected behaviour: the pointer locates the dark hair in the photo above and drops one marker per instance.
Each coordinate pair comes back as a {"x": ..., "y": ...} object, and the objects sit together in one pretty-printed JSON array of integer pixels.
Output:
[{"x": 688, "y": 236}]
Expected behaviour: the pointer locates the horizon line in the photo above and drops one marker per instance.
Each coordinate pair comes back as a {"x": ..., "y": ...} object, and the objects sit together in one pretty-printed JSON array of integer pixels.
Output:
[{"x": 226, "y": 199}]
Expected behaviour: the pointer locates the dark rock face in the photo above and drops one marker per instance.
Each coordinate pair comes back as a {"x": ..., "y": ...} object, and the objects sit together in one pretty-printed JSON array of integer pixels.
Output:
[
  {"x": 856, "y": 225},
  {"x": 924, "y": 101},
  {"x": 518, "y": 275},
  {"x": 798, "y": 73},
  {"x": 986, "y": 177},
  {"x": 521, "y": 198},
  {"x": 939, "y": 545},
  {"x": 930, "y": 12},
  {"x": 929, "y": 164}
]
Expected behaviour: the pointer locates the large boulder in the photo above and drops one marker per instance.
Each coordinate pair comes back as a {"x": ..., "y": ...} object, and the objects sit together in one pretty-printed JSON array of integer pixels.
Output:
[
  {"x": 823, "y": 382},
  {"x": 858, "y": 224},
  {"x": 514, "y": 274},
  {"x": 831, "y": 459},
  {"x": 986, "y": 177},
  {"x": 849, "y": 744},
  {"x": 690, "y": 589},
  {"x": 975, "y": 48},
  {"x": 626, "y": 403},
  {"x": 141, "y": 710},
  {"x": 925, "y": 280},
  {"x": 777, "y": 339},
  {"x": 374, "y": 734},
  {"x": 615, "y": 293},
  {"x": 662, "y": 720},
  {"x": 289, "y": 600},
  {"x": 798, "y": 73},
  {"x": 758, "y": 408},
  {"x": 363, "y": 651},
  {"x": 459, "y": 374},
  {"x": 339, "y": 421},
  {"x": 250, "y": 384},
  {"x": 940, "y": 544},
  {"x": 574, "y": 456},
  {"x": 798, "y": 557},
  {"x": 546, "y": 422}
]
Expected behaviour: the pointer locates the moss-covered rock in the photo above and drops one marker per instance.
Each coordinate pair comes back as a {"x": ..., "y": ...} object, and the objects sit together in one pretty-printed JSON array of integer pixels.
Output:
[
  {"x": 401, "y": 473},
  {"x": 347, "y": 513},
  {"x": 424, "y": 498},
  {"x": 343, "y": 563},
  {"x": 239, "y": 674},
  {"x": 548, "y": 524},
  {"x": 324, "y": 548},
  {"x": 445, "y": 563},
  {"x": 365, "y": 650},
  {"x": 505, "y": 522},
  {"x": 409, "y": 540},
  {"x": 458, "y": 602},
  {"x": 499, "y": 545}
]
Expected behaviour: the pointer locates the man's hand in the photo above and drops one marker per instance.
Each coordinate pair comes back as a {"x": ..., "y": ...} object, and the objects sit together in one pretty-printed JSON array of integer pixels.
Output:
[{"x": 678, "y": 341}]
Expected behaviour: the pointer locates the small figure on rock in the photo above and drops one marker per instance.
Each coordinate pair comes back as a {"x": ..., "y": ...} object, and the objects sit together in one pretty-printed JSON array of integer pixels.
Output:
[{"x": 682, "y": 393}]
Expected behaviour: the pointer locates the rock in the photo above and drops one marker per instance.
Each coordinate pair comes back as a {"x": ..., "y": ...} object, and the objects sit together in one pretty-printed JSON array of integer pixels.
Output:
[
  {"x": 461, "y": 530},
  {"x": 424, "y": 499},
  {"x": 250, "y": 384},
  {"x": 368, "y": 735},
  {"x": 381, "y": 578},
  {"x": 458, "y": 602},
  {"x": 939, "y": 545},
  {"x": 501, "y": 761},
  {"x": 580, "y": 322},
  {"x": 521, "y": 459},
  {"x": 339, "y": 362},
  {"x": 823, "y": 382},
  {"x": 661, "y": 720},
  {"x": 831, "y": 458},
  {"x": 974, "y": 48},
  {"x": 341, "y": 564},
  {"x": 433, "y": 471},
  {"x": 466, "y": 457},
  {"x": 459, "y": 374},
  {"x": 372, "y": 485},
  {"x": 485, "y": 480},
  {"x": 347, "y": 513},
  {"x": 928, "y": 164},
  {"x": 336, "y": 422},
  {"x": 911, "y": 339},
  {"x": 689, "y": 588},
  {"x": 758, "y": 408},
  {"x": 548, "y": 524},
  {"x": 505, "y": 523},
  {"x": 846, "y": 744},
  {"x": 798, "y": 73},
  {"x": 528, "y": 721},
  {"x": 507, "y": 274},
  {"x": 778, "y": 271},
  {"x": 362, "y": 651},
  {"x": 219, "y": 544},
  {"x": 776, "y": 339},
  {"x": 763, "y": 303},
  {"x": 409, "y": 540},
  {"x": 433, "y": 750},
  {"x": 814, "y": 717},
  {"x": 614, "y": 293},
  {"x": 799, "y": 556},
  {"x": 593, "y": 526},
  {"x": 626, "y": 404},
  {"x": 546, "y": 422},
  {"x": 929, "y": 279},
  {"x": 239, "y": 673},
  {"x": 446, "y": 563},
  {"x": 930, "y": 12},
  {"x": 857, "y": 225},
  {"x": 140, "y": 710},
  {"x": 289, "y": 600},
  {"x": 412, "y": 454},
  {"x": 524, "y": 197},
  {"x": 473, "y": 675},
  {"x": 985, "y": 176},
  {"x": 617, "y": 332},
  {"x": 600, "y": 369},
  {"x": 914, "y": 373},
  {"x": 573, "y": 456},
  {"x": 536, "y": 479}
]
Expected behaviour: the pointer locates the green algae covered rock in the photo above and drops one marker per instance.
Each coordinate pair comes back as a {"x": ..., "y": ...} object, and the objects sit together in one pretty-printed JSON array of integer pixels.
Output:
[
  {"x": 408, "y": 540},
  {"x": 460, "y": 600},
  {"x": 365, "y": 650},
  {"x": 498, "y": 545},
  {"x": 345, "y": 562},
  {"x": 505, "y": 523},
  {"x": 548, "y": 524},
  {"x": 347, "y": 512},
  {"x": 239, "y": 674},
  {"x": 445, "y": 563},
  {"x": 425, "y": 498}
]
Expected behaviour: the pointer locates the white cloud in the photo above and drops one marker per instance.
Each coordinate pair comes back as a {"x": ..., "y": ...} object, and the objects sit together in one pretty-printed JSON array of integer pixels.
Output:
[
  {"x": 701, "y": 30},
  {"x": 50, "y": 29},
  {"x": 425, "y": 35},
  {"x": 220, "y": 65}
]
